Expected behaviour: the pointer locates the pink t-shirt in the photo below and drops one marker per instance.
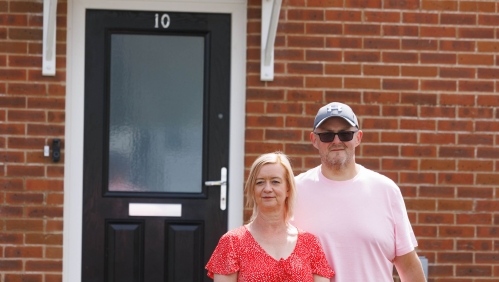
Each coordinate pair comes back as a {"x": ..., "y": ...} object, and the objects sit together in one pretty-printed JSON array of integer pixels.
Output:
[
  {"x": 362, "y": 223},
  {"x": 238, "y": 251}
]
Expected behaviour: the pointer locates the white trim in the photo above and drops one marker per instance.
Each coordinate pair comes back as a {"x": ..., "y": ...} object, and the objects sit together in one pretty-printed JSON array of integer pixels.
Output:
[
  {"x": 73, "y": 188},
  {"x": 270, "y": 18},
  {"x": 49, "y": 35}
]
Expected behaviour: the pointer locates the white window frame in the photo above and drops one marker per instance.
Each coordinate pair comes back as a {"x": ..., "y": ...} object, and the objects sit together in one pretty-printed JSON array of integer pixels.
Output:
[{"x": 73, "y": 177}]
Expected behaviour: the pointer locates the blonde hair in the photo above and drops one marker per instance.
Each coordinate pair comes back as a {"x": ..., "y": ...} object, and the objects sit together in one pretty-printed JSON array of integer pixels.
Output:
[{"x": 271, "y": 158}]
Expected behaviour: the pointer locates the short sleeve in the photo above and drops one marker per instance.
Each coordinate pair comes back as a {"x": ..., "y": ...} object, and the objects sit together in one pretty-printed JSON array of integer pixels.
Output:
[
  {"x": 224, "y": 259},
  {"x": 405, "y": 241},
  {"x": 318, "y": 260}
]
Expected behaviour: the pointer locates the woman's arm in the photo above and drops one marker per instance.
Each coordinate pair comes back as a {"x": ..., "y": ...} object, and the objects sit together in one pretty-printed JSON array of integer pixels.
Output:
[
  {"x": 226, "y": 278},
  {"x": 318, "y": 278}
]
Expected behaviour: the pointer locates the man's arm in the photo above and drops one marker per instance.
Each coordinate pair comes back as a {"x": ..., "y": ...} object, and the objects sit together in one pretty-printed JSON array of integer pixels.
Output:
[{"x": 409, "y": 268}]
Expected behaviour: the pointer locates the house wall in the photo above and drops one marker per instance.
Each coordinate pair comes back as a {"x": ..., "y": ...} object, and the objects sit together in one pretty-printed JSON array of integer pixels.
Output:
[
  {"x": 422, "y": 78},
  {"x": 421, "y": 75},
  {"x": 32, "y": 112}
]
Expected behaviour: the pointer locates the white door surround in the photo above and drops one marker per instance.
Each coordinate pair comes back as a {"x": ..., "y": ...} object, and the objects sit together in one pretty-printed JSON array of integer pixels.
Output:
[{"x": 73, "y": 180}]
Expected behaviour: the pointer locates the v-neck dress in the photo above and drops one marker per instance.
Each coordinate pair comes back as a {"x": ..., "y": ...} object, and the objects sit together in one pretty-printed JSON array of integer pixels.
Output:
[{"x": 238, "y": 251}]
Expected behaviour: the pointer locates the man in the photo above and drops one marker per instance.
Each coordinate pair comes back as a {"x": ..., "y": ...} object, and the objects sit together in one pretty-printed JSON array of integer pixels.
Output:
[{"x": 358, "y": 215}]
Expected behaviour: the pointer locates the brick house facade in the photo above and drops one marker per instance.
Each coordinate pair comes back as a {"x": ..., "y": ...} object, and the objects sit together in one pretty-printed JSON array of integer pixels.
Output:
[{"x": 421, "y": 75}]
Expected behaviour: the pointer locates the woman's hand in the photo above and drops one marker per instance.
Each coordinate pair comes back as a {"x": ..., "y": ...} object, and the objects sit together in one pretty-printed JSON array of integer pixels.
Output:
[
  {"x": 318, "y": 278},
  {"x": 227, "y": 278}
]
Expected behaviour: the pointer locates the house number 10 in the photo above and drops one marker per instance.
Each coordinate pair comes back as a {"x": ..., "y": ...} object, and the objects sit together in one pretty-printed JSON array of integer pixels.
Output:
[{"x": 165, "y": 21}]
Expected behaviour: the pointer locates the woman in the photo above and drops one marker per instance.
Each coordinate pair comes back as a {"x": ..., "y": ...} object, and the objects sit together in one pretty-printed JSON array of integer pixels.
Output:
[{"x": 269, "y": 248}]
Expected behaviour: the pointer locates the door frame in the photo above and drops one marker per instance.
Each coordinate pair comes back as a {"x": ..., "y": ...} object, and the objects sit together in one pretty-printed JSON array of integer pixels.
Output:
[{"x": 75, "y": 69}]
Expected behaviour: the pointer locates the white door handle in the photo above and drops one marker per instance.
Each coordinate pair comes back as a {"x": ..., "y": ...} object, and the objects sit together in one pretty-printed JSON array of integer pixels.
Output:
[{"x": 223, "y": 187}]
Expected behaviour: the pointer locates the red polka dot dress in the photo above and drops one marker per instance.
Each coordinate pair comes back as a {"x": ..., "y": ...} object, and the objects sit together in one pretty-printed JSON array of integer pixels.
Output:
[{"x": 238, "y": 251}]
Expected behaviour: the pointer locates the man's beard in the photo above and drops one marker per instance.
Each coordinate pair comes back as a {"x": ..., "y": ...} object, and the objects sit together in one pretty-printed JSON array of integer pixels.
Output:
[{"x": 333, "y": 160}]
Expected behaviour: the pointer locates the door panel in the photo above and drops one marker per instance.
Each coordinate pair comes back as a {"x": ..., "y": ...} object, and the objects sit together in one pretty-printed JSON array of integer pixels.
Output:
[
  {"x": 156, "y": 128},
  {"x": 124, "y": 250},
  {"x": 184, "y": 241}
]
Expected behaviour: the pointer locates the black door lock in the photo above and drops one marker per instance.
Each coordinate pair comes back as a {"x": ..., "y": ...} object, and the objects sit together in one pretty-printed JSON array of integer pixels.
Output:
[{"x": 56, "y": 149}]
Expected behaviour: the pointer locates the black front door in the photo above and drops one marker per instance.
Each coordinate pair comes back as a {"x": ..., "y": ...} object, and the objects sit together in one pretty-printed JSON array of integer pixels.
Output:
[{"x": 156, "y": 130}]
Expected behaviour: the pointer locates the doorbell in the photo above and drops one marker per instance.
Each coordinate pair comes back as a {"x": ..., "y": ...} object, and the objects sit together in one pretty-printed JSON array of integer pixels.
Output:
[{"x": 56, "y": 149}]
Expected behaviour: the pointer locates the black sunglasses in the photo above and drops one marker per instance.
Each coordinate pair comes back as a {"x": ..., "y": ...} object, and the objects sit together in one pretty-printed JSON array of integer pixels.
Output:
[{"x": 327, "y": 137}]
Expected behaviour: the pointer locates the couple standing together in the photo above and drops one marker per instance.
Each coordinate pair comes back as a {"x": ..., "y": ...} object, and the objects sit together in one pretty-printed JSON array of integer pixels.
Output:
[{"x": 357, "y": 217}]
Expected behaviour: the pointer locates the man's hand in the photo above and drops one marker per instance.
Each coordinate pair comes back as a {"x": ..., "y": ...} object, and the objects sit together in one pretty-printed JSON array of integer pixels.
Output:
[{"x": 409, "y": 268}]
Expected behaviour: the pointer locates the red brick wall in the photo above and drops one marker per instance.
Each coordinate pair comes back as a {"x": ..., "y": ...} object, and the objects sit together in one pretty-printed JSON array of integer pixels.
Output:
[
  {"x": 31, "y": 115},
  {"x": 422, "y": 77}
]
